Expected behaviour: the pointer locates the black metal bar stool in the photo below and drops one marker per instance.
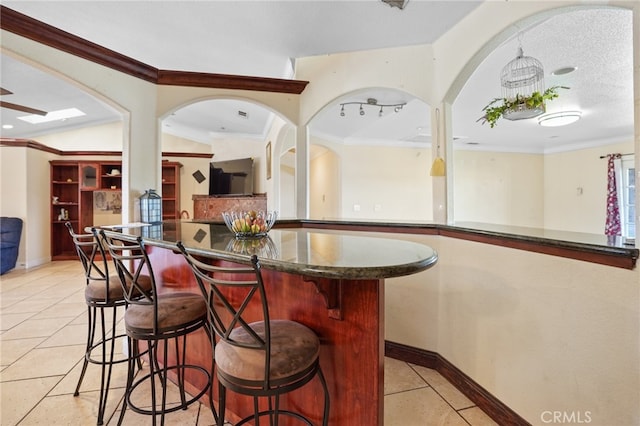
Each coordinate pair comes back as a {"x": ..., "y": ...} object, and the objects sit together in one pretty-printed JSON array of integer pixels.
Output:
[
  {"x": 102, "y": 292},
  {"x": 265, "y": 358},
  {"x": 156, "y": 319}
]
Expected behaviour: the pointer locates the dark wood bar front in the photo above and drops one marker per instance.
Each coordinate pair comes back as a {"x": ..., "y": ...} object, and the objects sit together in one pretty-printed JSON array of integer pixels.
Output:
[{"x": 333, "y": 284}]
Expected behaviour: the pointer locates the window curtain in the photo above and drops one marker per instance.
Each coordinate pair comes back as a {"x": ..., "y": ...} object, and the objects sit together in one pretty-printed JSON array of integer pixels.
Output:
[{"x": 612, "y": 225}]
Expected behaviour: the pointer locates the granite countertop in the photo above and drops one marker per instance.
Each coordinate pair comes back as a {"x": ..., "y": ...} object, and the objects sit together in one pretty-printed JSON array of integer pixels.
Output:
[
  {"x": 613, "y": 251},
  {"x": 550, "y": 236},
  {"x": 568, "y": 239},
  {"x": 308, "y": 252}
]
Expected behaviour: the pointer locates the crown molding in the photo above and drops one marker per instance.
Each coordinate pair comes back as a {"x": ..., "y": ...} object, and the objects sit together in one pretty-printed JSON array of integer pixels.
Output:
[
  {"x": 38, "y": 31},
  {"x": 31, "y": 144},
  {"x": 227, "y": 81}
]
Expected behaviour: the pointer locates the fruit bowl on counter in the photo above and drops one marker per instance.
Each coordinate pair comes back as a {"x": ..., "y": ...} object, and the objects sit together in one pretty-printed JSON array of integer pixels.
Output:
[
  {"x": 261, "y": 247},
  {"x": 251, "y": 224}
]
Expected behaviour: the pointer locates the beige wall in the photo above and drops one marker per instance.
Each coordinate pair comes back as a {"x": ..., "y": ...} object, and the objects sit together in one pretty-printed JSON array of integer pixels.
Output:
[
  {"x": 498, "y": 187},
  {"x": 561, "y": 191},
  {"x": 287, "y": 186},
  {"x": 13, "y": 192},
  {"x": 103, "y": 137},
  {"x": 325, "y": 187},
  {"x": 539, "y": 332},
  {"x": 575, "y": 188},
  {"x": 380, "y": 182},
  {"x": 24, "y": 187}
]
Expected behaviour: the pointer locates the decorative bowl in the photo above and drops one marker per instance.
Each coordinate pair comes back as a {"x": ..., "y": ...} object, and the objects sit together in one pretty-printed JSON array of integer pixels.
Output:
[
  {"x": 251, "y": 224},
  {"x": 261, "y": 247}
]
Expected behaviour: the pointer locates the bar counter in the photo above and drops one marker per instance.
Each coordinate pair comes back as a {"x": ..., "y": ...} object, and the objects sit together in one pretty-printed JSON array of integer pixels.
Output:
[
  {"x": 332, "y": 283},
  {"x": 606, "y": 250}
]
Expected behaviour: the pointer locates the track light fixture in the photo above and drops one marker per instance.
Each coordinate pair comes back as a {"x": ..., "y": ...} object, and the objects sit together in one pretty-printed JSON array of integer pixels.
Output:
[{"x": 372, "y": 102}]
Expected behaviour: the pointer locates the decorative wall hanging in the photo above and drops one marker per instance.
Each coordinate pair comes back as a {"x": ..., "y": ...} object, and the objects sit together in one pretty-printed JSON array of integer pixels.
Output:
[
  {"x": 438, "y": 166},
  {"x": 198, "y": 176}
]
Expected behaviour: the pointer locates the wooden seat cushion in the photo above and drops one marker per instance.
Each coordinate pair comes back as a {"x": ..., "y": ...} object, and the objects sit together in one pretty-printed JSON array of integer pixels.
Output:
[
  {"x": 96, "y": 291},
  {"x": 175, "y": 311},
  {"x": 294, "y": 347}
]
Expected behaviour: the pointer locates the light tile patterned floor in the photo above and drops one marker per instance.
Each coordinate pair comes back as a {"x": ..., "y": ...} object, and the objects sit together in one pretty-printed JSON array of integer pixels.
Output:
[{"x": 42, "y": 332}]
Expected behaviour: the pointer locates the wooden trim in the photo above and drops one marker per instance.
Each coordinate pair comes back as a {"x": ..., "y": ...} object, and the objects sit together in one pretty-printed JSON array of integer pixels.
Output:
[
  {"x": 226, "y": 81},
  {"x": 618, "y": 259},
  {"x": 371, "y": 227},
  {"x": 22, "y": 108},
  {"x": 186, "y": 154},
  {"x": 88, "y": 153},
  {"x": 38, "y": 31},
  {"x": 488, "y": 403},
  {"x": 29, "y": 143}
]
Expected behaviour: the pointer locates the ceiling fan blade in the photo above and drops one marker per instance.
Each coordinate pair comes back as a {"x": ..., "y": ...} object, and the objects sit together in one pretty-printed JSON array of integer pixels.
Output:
[
  {"x": 22, "y": 108},
  {"x": 4, "y": 91}
]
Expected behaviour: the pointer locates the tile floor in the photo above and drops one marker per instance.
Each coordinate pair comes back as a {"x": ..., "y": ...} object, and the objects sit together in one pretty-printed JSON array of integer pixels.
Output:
[{"x": 42, "y": 332}]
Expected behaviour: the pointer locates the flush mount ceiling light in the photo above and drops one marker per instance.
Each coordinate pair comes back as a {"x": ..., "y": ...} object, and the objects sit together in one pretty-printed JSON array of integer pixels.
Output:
[
  {"x": 372, "y": 102},
  {"x": 557, "y": 119},
  {"x": 563, "y": 71}
]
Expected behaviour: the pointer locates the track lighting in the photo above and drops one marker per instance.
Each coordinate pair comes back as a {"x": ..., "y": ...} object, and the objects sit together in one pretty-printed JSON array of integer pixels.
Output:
[{"x": 372, "y": 102}]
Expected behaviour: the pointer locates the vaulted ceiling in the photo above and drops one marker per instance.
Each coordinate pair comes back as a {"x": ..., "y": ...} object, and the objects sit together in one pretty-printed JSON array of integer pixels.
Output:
[{"x": 264, "y": 38}]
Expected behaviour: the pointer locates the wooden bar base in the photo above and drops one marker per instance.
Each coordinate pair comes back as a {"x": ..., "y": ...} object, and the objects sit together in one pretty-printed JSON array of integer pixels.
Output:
[{"x": 349, "y": 318}]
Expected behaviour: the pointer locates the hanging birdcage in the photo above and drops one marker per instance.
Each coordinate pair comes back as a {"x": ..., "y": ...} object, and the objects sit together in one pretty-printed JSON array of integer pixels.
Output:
[{"x": 520, "y": 79}]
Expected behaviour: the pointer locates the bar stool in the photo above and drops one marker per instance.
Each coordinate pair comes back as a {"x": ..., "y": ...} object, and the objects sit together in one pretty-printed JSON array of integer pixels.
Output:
[
  {"x": 156, "y": 319},
  {"x": 102, "y": 292},
  {"x": 266, "y": 358}
]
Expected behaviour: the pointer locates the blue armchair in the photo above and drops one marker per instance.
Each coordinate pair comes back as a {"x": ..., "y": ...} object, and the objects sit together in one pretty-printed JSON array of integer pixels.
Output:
[{"x": 10, "y": 232}]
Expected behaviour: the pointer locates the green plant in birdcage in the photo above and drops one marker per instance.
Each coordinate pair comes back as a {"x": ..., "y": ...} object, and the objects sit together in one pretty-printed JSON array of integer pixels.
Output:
[{"x": 501, "y": 107}]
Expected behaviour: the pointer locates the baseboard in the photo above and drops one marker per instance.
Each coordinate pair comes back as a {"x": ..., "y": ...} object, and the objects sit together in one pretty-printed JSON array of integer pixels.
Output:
[{"x": 491, "y": 405}]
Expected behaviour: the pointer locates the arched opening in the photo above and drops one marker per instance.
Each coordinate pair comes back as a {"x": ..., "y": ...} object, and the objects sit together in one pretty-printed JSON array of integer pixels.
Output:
[
  {"x": 374, "y": 145},
  {"x": 230, "y": 129},
  {"x": 520, "y": 173}
]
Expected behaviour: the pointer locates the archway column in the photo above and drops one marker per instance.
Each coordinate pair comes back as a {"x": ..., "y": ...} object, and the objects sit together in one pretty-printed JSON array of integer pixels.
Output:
[
  {"x": 302, "y": 172},
  {"x": 141, "y": 161}
]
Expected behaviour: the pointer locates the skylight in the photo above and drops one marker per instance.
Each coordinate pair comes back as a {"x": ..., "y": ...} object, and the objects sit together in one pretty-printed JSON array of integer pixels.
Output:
[{"x": 62, "y": 114}]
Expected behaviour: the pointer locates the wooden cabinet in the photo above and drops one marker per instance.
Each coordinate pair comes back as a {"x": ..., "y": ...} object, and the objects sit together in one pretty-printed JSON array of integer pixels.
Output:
[
  {"x": 73, "y": 184},
  {"x": 170, "y": 190},
  {"x": 111, "y": 175},
  {"x": 65, "y": 205},
  {"x": 89, "y": 177}
]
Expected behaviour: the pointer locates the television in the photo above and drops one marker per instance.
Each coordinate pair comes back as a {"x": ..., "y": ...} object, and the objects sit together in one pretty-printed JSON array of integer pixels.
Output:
[{"x": 231, "y": 177}]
